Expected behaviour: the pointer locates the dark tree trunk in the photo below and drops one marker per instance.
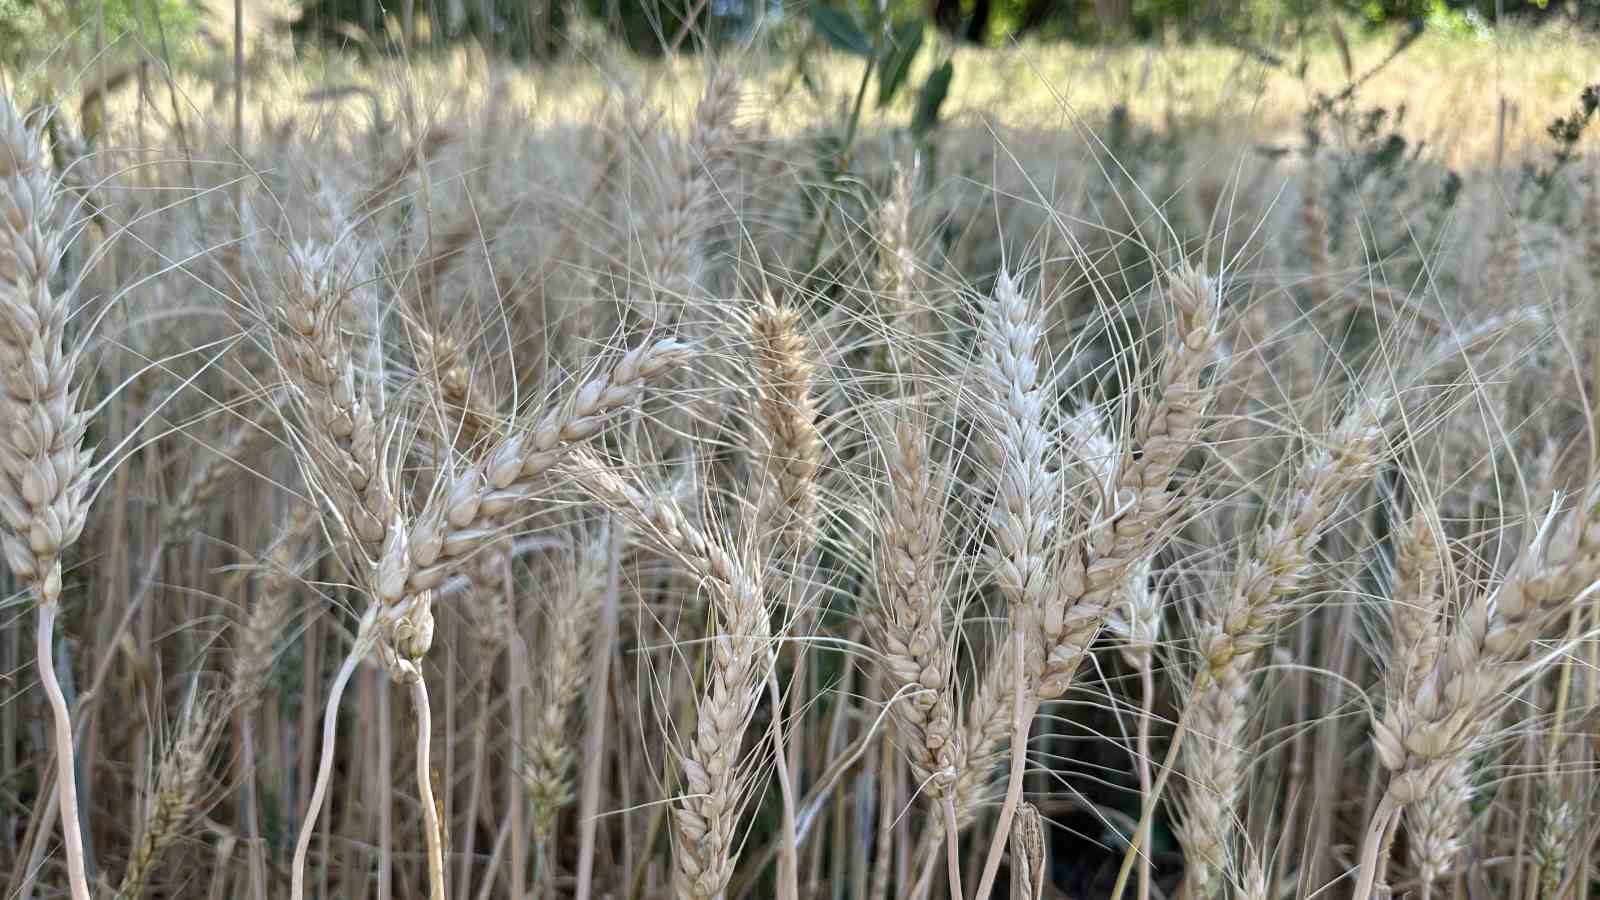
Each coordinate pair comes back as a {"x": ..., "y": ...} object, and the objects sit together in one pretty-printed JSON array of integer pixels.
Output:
[
  {"x": 946, "y": 15},
  {"x": 978, "y": 25},
  {"x": 1037, "y": 13}
]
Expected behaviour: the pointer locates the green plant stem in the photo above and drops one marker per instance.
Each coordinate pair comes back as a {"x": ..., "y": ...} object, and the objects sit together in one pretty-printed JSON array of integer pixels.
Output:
[{"x": 852, "y": 126}]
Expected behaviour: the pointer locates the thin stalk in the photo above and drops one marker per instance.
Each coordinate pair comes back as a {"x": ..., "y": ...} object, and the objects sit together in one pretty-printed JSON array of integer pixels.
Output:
[
  {"x": 480, "y": 740},
  {"x": 254, "y": 851},
  {"x": 883, "y": 847},
  {"x": 1375, "y": 846},
  {"x": 595, "y": 733},
  {"x": 952, "y": 847},
  {"x": 788, "y": 853},
  {"x": 330, "y": 733},
  {"x": 1132, "y": 854},
  {"x": 1022, "y": 710},
  {"x": 385, "y": 788},
  {"x": 430, "y": 809},
  {"x": 66, "y": 763},
  {"x": 1147, "y": 685}
]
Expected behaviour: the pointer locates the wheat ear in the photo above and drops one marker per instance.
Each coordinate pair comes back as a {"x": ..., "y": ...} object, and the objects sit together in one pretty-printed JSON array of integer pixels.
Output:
[
  {"x": 908, "y": 619},
  {"x": 568, "y": 638},
  {"x": 1092, "y": 572},
  {"x": 464, "y": 513},
  {"x": 340, "y": 428},
  {"x": 672, "y": 255},
  {"x": 472, "y": 412},
  {"x": 707, "y": 809},
  {"x": 1236, "y": 630},
  {"x": 785, "y": 436},
  {"x": 174, "y": 795},
  {"x": 44, "y": 468},
  {"x": 788, "y": 447},
  {"x": 1087, "y": 576},
  {"x": 1417, "y": 632},
  {"x": 1443, "y": 720},
  {"x": 1124, "y": 530}
]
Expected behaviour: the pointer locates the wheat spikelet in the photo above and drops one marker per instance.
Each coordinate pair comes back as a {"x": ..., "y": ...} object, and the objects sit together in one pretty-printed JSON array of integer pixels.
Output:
[
  {"x": 672, "y": 256},
  {"x": 1236, "y": 630},
  {"x": 1554, "y": 833},
  {"x": 1445, "y": 716},
  {"x": 1087, "y": 577},
  {"x": 895, "y": 279},
  {"x": 1417, "y": 626},
  {"x": 1135, "y": 621},
  {"x": 708, "y": 806},
  {"x": 44, "y": 470},
  {"x": 1093, "y": 572},
  {"x": 1416, "y": 608},
  {"x": 472, "y": 412},
  {"x": 1434, "y": 825},
  {"x": 339, "y": 427},
  {"x": 1024, "y": 487},
  {"x": 1444, "y": 719}
]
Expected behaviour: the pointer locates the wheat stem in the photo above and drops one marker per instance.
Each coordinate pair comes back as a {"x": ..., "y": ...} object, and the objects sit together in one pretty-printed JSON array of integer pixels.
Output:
[
  {"x": 365, "y": 637},
  {"x": 430, "y": 810},
  {"x": 66, "y": 763}
]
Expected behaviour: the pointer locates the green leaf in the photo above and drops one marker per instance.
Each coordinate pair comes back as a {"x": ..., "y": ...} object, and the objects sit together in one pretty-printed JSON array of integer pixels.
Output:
[
  {"x": 897, "y": 64},
  {"x": 934, "y": 90},
  {"x": 840, "y": 31}
]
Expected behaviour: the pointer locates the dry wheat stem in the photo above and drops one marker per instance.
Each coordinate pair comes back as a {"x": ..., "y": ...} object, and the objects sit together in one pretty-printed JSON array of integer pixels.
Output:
[
  {"x": 366, "y": 638},
  {"x": 433, "y": 829}
]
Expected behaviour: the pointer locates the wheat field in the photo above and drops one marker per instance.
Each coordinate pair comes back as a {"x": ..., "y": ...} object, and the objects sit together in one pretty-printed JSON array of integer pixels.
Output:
[{"x": 1168, "y": 478}]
